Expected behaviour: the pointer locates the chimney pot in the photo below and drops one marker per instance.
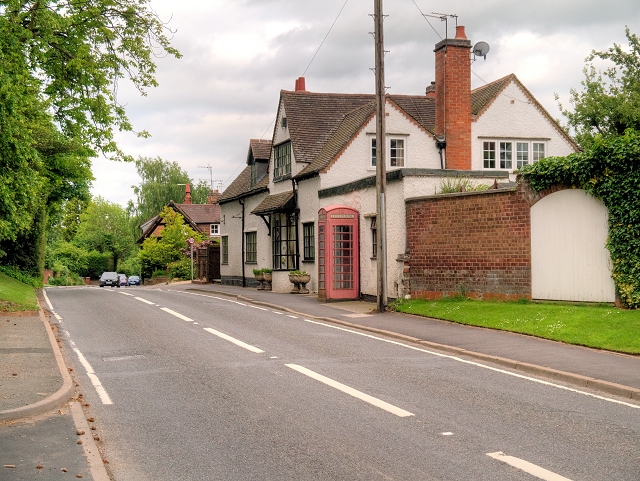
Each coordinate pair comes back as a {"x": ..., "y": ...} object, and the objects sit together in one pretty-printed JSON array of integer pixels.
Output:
[
  {"x": 187, "y": 194},
  {"x": 460, "y": 32},
  {"x": 300, "y": 84}
]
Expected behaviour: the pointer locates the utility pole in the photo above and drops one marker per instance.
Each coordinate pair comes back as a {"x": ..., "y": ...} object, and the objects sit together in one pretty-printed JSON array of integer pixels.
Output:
[{"x": 381, "y": 166}]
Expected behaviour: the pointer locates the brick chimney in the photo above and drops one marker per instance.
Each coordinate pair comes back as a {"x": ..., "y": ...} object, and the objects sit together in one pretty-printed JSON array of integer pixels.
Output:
[
  {"x": 300, "y": 84},
  {"x": 453, "y": 99},
  {"x": 187, "y": 194},
  {"x": 213, "y": 196}
]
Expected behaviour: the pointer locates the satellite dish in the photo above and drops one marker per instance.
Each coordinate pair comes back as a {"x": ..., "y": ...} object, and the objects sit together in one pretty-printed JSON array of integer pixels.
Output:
[{"x": 481, "y": 49}]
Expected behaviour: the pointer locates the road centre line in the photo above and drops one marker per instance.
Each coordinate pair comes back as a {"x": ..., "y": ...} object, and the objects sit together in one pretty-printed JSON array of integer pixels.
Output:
[
  {"x": 527, "y": 467},
  {"x": 104, "y": 397},
  {"x": 477, "y": 364},
  {"x": 145, "y": 301},
  {"x": 235, "y": 341},
  {"x": 177, "y": 314},
  {"x": 352, "y": 392},
  {"x": 125, "y": 293}
]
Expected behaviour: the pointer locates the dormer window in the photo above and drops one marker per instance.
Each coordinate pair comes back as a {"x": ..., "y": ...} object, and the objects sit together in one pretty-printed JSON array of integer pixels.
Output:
[
  {"x": 254, "y": 174},
  {"x": 282, "y": 161}
]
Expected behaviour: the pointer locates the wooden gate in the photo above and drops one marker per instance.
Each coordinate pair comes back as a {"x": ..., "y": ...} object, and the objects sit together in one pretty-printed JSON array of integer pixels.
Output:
[{"x": 208, "y": 259}]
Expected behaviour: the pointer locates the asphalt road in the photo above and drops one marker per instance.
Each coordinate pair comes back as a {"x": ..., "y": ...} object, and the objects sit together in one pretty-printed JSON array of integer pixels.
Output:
[{"x": 192, "y": 387}]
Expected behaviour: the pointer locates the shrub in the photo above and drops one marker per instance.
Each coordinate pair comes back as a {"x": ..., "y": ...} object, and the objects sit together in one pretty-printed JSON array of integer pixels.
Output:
[
  {"x": 17, "y": 274},
  {"x": 180, "y": 269},
  {"x": 451, "y": 185}
]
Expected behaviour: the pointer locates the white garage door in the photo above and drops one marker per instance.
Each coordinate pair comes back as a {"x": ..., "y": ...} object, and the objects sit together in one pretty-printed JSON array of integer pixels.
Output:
[{"x": 569, "y": 260}]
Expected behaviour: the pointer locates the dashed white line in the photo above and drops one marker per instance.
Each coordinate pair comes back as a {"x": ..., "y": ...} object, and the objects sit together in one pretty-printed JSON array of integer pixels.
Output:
[
  {"x": 104, "y": 397},
  {"x": 292, "y": 317},
  {"x": 237, "y": 342},
  {"x": 528, "y": 467},
  {"x": 125, "y": 293},
  {"x": 145, "y": 301},
  {"x": 352, "y": 392},
  {"x": 477, "y": 364},
  {"x": 276, "y": 312},
  {"x": 177, "y": 314}
]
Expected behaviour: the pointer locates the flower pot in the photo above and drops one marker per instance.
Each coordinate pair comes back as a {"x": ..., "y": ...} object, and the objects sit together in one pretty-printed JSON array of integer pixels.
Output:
[
  {"x": 260, "y": 279},
  {"x": 268, "y": 278},
  {"x": 302, "y": 280},
  {"x": 296, "y": 286}
]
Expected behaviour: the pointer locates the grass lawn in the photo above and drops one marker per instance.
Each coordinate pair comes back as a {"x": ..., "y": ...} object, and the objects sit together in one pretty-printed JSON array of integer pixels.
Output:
[
  {"x": 16, "y": 296},
  {"x": 598, "y": 326}
]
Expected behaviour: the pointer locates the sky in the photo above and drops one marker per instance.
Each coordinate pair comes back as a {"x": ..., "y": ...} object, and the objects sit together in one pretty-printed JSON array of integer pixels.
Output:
[{"x": 238, "y": 55}]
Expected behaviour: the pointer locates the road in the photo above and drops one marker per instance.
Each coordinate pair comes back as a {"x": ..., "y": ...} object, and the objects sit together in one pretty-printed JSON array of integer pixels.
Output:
[{"x": 196, "y": 387}]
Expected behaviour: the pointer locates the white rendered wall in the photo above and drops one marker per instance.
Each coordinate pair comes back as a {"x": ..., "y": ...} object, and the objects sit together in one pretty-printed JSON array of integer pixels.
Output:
[
  {"x": 354, "y": 163},
  {"x": 569, "y": 260},
  {"x": 512, "y": 116}
]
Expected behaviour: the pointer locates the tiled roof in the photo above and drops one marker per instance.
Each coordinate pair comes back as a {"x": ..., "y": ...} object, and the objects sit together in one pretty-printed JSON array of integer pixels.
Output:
[
  {"x": 241, "y": 187},
  {"x": 483, "y": 96},
  {"x": 420, "y": 108},
  {"x": 200, "y": 213},
  {"x": 348, "y": 127},
  {"x": 273, "y": 202},
  {"x": 312, "y": 119},
  {"x": 260, "y": 148}
]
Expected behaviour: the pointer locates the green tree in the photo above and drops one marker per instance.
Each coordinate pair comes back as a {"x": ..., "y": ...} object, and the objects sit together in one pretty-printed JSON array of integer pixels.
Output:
[
  {"x": 161, "y": 253},
  {"x": 104, "y": 227},
  {"x": 609, "y": 102}
]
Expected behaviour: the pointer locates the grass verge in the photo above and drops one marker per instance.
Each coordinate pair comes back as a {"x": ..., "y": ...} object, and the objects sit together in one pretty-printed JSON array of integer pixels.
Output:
[
  {"x": 599, "y": 326},
  {"x": 16, "y": 296}
]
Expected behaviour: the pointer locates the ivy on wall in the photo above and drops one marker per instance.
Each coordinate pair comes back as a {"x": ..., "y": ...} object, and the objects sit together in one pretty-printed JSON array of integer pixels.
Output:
[{"x": 609, "y": 170}]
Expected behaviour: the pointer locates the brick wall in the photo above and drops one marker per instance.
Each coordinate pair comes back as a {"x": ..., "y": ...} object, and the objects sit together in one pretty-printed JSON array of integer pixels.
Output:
[{"x": 472, "y": 243}]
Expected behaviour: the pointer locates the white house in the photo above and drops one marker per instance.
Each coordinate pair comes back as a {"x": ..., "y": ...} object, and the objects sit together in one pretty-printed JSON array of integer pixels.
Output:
[{"x": 306, "y": 199}]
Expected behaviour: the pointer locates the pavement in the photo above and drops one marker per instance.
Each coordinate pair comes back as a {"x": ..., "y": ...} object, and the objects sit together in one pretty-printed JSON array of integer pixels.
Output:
[{"x": 34, "y": 379}]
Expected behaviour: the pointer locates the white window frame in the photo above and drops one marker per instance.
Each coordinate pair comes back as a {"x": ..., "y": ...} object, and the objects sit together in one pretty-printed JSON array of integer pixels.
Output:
[
  {"x": 390, "y": 140},
  {"x": 513, "y": 156},
  {"x": 214, "y": 230}
]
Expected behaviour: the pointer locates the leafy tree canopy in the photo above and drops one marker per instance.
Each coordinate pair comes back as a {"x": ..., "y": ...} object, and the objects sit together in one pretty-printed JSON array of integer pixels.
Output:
[{"x": 609, "y": 102}]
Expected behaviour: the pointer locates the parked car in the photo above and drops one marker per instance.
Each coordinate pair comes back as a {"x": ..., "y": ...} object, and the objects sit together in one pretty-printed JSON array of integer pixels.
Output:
[
  {"x": 134, "y": 281},
  {"x": 109, "y": 279},
  {"x": 122, "y": 280}
]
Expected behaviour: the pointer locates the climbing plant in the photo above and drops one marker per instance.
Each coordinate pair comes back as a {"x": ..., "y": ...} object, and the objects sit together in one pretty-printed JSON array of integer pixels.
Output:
[{"x": 609, "y": 169}]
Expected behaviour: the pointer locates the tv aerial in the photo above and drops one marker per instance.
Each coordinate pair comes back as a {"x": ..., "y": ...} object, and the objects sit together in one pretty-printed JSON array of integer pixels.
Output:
[{"x": 481, "y": 49}]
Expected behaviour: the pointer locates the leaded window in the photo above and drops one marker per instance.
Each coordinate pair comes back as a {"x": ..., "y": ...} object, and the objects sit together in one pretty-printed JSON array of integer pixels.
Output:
[
  {"x": 282, "y": 160},
  {"x": 284, "y": 237}
]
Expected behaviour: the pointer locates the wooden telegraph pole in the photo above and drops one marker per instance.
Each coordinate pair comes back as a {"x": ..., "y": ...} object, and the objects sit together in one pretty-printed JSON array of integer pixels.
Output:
[{"x": 381, "y": 169}]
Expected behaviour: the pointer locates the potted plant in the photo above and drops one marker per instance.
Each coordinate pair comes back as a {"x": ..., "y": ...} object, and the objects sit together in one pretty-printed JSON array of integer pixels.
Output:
[
  {"x": 299, "y": 280},
  {"x": 268, "y": 278},
  {"x": 260, "y": 278}
]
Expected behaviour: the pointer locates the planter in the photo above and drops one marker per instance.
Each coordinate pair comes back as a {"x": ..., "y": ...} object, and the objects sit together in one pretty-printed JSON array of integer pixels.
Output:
[
  {"x": 296, "y": 286},
  {"x": 299, "y": 282},
  {"x": 268, "y": 278},
  {"x": 260, "y": 279}
]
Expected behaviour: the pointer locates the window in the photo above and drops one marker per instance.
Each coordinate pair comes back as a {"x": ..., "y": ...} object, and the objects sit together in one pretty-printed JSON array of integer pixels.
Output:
[
  {"x": 251, "y": 248},
  {"x": 538, "y": 151},
  {"x": 505, "y": 155},
  {"x": 224, "y": 248},
  {"x": 525, "y": 153},
  {"x": 396, "y": 152},
  {"x": 214, "y": 229},
  {"x": 308, "y": 233},
  {"x": 522, "y": 154},
  {"x": 489, "y": 155},
  {"x": 374, "y": 237},
  {"x": 284, "y": 227},
  {"x": 282, "y": 156},
  {"x": 254, "y": 174}
]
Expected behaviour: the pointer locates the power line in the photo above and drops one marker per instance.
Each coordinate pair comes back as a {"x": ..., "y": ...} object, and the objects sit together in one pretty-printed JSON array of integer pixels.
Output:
[
  {"x": 325, "y": 37},
  {"x": 425, "y": 17}
]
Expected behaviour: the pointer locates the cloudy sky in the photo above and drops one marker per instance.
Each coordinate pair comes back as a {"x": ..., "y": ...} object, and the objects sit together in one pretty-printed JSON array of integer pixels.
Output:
[{"x": 238, "y": 55}]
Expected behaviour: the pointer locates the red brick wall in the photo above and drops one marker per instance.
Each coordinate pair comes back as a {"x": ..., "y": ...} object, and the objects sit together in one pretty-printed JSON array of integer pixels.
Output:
[{"x": 478, "y": 244}]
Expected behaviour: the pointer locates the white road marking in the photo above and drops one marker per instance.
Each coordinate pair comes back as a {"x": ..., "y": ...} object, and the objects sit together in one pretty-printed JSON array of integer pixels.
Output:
[
  {"x": 352, "y": 392},
  {"x": 46, "y": 298},
  {"x": 104, "y": 397},
  {"x": 258, "y": 307},
  {"x": 276, "y": 312},
  {"x": 57, "y": 316},
  {"x": 477, "y": 364},
  {"x": 237, "y": 342},
  {"x": 125, "y": 293},
  {"x": 177, "y": 314},
  {"x": 447, "y": 434},
  {"x": 145, "y": 301},
  {"x": 292, "y": 317},
  {"x": 240, "y": 303},
  {"x": 528, "y": 467}
]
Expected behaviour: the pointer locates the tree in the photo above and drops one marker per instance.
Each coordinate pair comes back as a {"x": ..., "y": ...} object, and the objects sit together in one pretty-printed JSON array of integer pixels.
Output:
[
  {"x": 610, "y": 101},
  {"x": 104, "y": 227},
  {"x": 60, "y": 63}
]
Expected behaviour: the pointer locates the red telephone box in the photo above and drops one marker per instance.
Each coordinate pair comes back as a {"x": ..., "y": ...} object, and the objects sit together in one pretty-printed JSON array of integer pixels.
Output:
[{"x": 338, "y": 259}]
